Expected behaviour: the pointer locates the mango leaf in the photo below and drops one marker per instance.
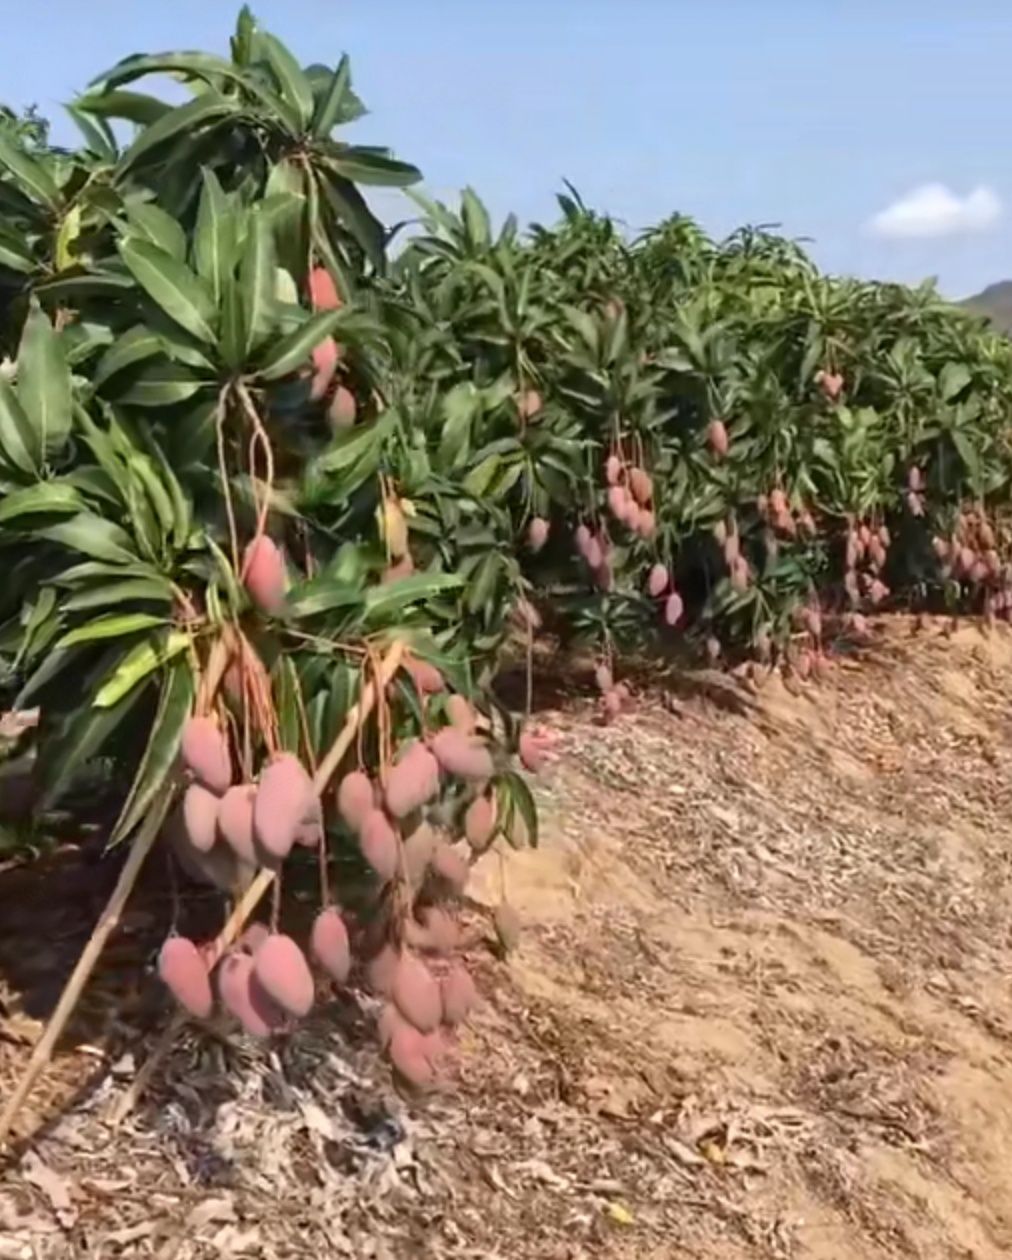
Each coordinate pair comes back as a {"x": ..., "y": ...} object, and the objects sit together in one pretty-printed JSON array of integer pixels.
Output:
[
  {"x": 518, "y": 798},
  {"x": 286, "y": 697},
  {"x": 293, "y": 351},
  {"x": 353, "y": 213},
  {"x": 52, "y": 666},
  {"x": 138, "y": 665},
  {"x": 43, "y": 497},
  {"x": 328, "y": 109},
  {"x": 18, "y": 440},
  {"x": 151, "y": 223},
  {"x": 135, "y": 107},
  {"x": 183, "y": 120},
  {"x": 373, "y": 167},
  {"x": 953, "y": 379},
  {"x": 256, "y": 279},
  {"x": 216, "y": 236},
  {"x": 92, "y": 536},
  {"x": 174, "y": 705},
  {"x": 383, "y": 601},
  {"x": 32, "y": 175},
  {"x": 187, "y": 65},
  {"x": 81, "y": 740},
  {"x": 43, "y": 383},
  {"x": 111, "y": 627},
  {"x": 159, "y": 383},
  {"x": 109, "y": 594},
  {"x": 172, "y": 285},
  {"x": 137, "y": 343},
  {"x": 321, "y": 595},
  {"x": 295, "y": 88},
  {"x": 14, "y": 252}
]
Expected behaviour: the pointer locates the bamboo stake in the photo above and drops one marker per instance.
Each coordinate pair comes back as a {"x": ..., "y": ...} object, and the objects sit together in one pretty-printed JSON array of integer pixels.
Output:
[
  {"x": 89, "y": 956},
  {"x": 250, "y": 899}
]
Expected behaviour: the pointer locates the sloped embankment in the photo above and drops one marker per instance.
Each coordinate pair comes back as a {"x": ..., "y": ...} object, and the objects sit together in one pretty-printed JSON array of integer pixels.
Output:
[{"x": 761, "y": 1009}]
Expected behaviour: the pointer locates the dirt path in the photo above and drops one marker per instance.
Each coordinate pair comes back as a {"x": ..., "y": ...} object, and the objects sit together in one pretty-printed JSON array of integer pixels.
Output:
[{"x": 761, "y": 1009}]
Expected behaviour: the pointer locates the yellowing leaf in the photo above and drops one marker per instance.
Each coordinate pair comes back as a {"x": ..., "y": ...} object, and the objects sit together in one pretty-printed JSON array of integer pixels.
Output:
[{"x": 620, "y": 1214}]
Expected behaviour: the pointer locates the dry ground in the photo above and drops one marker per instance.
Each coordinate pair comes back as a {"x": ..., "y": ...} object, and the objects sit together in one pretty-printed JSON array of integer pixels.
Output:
[{"x": 761, "y": 1009}]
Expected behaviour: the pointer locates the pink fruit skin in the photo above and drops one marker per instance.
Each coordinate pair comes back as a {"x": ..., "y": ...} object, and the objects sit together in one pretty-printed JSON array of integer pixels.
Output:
[
  {"x": 184, "y": 971},
  {"x": 355, "y": 799},
  {"x": 281, "y": 969},
  {"x": 379, "y": 844},
  {"x": 673, "y": 609},
  {"x": 329, "y": 944},
  {"x": 205, "y": 752},
  {"x": 343, "y": 409},
  {"x": 322, "y": 291},
  {"x": 264, "y": 575},
  {"x": 657, "y": 582},
  {"x": 325, "y": 359},
  {"x": 235, "y": 821},
  {"x": 532, "y": 752},
  {"x": 243, "y": 996},
  {"x": 283, "y": 800}
]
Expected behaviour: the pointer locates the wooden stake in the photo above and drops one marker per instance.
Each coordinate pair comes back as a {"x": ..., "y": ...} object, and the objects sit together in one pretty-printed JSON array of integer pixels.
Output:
[
  {"x": 89, "y": 955},
  {"x": 250, "y": 899}
]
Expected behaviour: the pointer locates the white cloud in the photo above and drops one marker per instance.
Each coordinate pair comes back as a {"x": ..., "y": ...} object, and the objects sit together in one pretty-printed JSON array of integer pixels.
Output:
[{"x": 934, "y": 210}]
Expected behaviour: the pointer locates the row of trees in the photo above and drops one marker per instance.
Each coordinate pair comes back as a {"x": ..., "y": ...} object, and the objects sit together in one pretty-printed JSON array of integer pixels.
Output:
[{"x": 208, "y": 343}]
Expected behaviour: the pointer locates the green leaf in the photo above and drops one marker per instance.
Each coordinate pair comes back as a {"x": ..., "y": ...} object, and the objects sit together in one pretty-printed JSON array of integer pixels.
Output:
[
  {"x": 183, "y": 120},
  {"x": 14, "y": 252},
  {"x": 174, "y": 705},
  {"x": 139, "y": 663},
  {"x": 83, "y": 738},
  {"x": 354, "y": 215},
  {"x": 161, "y": 229},
  {"x": 111, "y": 627},
  {"x": 383, "y": 601},
  {"x": 186, "y": 64},
  {"x": 44, "y": 388},
  {"x": 328, "y": 109},
  {"x": 292, "y": 83},
  {"x": 44, "y": 496},
  {"x": 17, "y": 438},
  {"x": 286, "y": 699},
  {"x": 90, "y": 570},
  {"x": 144, "y": 590},
  {"x": 520, "y": 799},
  {"x": 136, "y": 344},
  {"x": 953, "y": 379},
  {"x": 373, "y": 167},
  {"x": 92, "y": 536},
  {"x": 256, "y": 278},
  {"x": 321, "y": 595},
  {"x": 52, "y": 666},
  {"x": 31, "y": 174},
  {"x": 135, "y": 107},
  {"x": 293, "y": 351},
  {"x": 476, "y": 220},
  {"x": 160, "y": 383},
  {"x": 172, "y": 285},
  {"x": 92, "y": 284},
  {"x": 216, "y": 236},
  {"x": 98, "y": 136}
]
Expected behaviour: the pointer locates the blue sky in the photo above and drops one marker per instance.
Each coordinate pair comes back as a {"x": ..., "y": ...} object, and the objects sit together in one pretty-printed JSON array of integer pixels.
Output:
[{"x": 816, "y": 114}]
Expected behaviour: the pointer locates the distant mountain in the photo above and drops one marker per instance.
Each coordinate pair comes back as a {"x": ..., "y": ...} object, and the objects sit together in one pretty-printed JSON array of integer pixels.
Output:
[{"x": 995, "y": 302}]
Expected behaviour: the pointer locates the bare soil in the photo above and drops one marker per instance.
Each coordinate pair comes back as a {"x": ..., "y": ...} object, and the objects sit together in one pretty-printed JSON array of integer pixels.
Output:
[{"x": 761, "y": 1009}]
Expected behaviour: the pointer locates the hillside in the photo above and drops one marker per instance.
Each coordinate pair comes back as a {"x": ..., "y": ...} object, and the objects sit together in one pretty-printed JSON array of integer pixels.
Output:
[
  {"x": 760, "y": 1010},
  {"x": 995, "y": 302}
]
